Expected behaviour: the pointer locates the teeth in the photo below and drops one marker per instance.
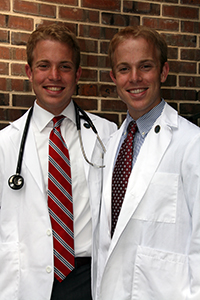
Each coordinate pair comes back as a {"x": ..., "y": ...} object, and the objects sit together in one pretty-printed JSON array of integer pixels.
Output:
[
  {"x": 137, "y": 91},
  {"x": 52, "y": 88}
]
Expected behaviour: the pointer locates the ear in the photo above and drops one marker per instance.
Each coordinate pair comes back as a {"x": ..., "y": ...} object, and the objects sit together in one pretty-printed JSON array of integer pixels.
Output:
[
  {"x": 112, "y": 76},
  {"x": 78, "y": 74},
  {"x": 165, "y": 72},
  {"x": 28, "y": 72}
]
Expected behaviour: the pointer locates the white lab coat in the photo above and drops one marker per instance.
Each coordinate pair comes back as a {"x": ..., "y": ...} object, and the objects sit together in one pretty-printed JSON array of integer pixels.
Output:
[
  {"x": 155, "y": 251},
  {"x": 26, "y": 243}
]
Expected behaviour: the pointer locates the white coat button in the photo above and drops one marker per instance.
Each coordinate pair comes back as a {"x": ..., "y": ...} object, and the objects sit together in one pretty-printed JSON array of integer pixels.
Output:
[
  {"x": 49, "y": 232},
  {"x": 48, "y": 269}
]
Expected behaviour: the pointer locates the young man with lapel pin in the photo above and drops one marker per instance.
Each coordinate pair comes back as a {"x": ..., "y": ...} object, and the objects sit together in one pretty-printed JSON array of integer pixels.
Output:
[
  {"x": 149, "y": 238},
  {"x": 37, "y": 262}
]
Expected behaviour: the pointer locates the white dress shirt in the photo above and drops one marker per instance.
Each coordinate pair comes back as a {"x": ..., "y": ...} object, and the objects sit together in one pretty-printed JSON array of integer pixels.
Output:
[{"x": 42, "y": 126}]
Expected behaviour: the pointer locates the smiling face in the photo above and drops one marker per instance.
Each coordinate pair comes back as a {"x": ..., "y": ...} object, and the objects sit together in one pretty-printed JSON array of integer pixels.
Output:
[
  {"x": 137, "y": 75},
  {"x": 53, "y": 75}
]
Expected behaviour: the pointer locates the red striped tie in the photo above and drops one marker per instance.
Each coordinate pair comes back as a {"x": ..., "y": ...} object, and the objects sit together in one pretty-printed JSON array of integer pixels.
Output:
[{"x": 60, "y": 202}]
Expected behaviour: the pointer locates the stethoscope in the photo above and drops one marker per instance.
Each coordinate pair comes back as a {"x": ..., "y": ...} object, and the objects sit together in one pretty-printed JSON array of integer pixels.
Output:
[{"x": 16, "y": 181}]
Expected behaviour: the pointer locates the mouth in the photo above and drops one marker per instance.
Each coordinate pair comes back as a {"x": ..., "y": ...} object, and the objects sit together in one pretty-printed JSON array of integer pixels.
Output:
[
  {"x": 137, "y": 91},
  {"x": 54, "y": 88}
]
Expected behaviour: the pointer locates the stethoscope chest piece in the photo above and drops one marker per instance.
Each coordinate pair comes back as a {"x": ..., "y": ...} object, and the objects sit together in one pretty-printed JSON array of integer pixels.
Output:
[{"x": 16, "y": 182}]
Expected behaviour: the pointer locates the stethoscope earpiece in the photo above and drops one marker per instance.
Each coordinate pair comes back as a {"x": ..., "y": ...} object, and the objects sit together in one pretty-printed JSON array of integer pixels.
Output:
[{"x": 16, "y": 182}]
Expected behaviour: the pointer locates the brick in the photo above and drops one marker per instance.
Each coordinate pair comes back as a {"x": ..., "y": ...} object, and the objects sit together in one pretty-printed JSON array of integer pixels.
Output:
[
  {"x": 4, "y": 36},
  {"x": 47, "y": 10},
  {"x": 171, "y": 81},
  {"x": 19, "y": 38},
  {"x": 87, "y": 104},
  {"x": 113, "y": 5},
  {"x": 105, "y": 76},
  {"x": 32, "y": 8},
  {"x": 190, "y": 2},
  {"x": 20, "y": 85},
  {"x": 88, "y": 90},
  {"x": 182, "y": 67},
  {"x": 5, "y": 5},
  {"x": 180, "y": 40},
  {"x": 20, "y": 23},
  {"x": 18, "y": 70},
  {"x": 167, "y": 1},
  {"x": 3, "y": 21},
  {"x": 88, "y": 60},
  {"x": 189, "y": 108},
  {"x": 189, "y": 81},
  {"x": 137, "y": 7},
  {"x": 96, "y": 32},
  {"x": 78, "y": 15},
  {"x": 120, "y": 20},
  {"x": 188, "y": 26},
  {"x": 107, "y": 90},
  {"x": 172, "y": 53},
  {"x": 25, "y": 7},
  {"x": 4, "y": 99},
  {"x": 180, "y": 12},
  {"x": 113, "y": 105},
  {"x": 88, "y": 45},
  {"x": 190, "y": 54},
  {"x": 88, "y": 75},
  {"x": 18, "y": 54},
  {"x": 178, "y": 94},
  {"x": 104, "y": 47},
  {"x": 161, "y": 24},
  {"x": 10, "y": 114},
  {"x": 103, "y": 62},
  {"x": 23, "y": 100},
  {"x": 3, "y": 84},
  {"x": 65, "y": 2},
  {"x": 4, "y": 68},
  {"x": 4, "y": 52}
]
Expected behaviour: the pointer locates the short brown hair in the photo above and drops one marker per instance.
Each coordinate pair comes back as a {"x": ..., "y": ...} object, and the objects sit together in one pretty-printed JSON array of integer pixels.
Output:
[
  {"x": 134, "y": 32},
  {"x": 55, "y": 32}
]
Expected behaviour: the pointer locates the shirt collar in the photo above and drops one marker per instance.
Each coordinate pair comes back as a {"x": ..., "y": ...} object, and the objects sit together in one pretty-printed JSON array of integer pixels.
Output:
[
  {"x": 43, "y": 118},
  {"x": 145, "y": 122}
]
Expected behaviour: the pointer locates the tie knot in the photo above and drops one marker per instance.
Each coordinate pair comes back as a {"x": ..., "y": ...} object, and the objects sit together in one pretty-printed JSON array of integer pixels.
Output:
[
  {"x": 57, "y": 121},
  {"x": 132, "y": 127}
]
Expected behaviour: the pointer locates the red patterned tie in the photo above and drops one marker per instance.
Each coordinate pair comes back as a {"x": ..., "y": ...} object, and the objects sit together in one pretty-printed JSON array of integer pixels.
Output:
[
  {"x": 60, "y": 202},
  {"x": 121, "y": 173}
]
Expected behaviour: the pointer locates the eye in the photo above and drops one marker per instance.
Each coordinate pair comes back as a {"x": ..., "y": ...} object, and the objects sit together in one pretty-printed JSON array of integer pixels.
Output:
[
  {"x": 43, "y": 66},
  {"x": 65, "y": 67},
  {"x": 146, "y": 67},
  {"x": 123, "y": 69}
]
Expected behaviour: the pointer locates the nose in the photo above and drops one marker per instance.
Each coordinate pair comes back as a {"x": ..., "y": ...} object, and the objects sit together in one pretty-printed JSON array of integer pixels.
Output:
[
  {"x": 54, "y": 74},
  {"x": 135, "y": 75}
]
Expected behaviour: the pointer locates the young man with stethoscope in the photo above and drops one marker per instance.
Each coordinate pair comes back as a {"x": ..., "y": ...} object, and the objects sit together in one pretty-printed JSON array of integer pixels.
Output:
[{"x": 26, "y": 237}]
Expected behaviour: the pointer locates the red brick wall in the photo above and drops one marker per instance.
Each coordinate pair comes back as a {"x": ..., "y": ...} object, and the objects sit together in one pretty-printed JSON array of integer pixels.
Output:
[{"x": 95, "y": 22}]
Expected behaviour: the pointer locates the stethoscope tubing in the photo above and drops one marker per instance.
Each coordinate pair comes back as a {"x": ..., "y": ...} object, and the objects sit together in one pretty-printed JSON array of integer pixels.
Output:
[{"x": 16, "y": 181}]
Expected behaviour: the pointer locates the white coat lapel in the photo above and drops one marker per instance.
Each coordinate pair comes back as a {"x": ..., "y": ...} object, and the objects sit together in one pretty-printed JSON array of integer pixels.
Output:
[
  {"x": 30, "y": 156},
  {"x": 148, "y": 160}
]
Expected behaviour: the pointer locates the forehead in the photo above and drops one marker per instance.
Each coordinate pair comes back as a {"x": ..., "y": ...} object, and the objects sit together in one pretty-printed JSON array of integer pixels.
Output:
[
  {"x": 52, "y": 50},
  {"x": 135, "y": 49}
]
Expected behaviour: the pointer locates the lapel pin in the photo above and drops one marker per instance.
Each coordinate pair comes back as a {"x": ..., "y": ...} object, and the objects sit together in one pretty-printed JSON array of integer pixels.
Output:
[{"x": 157, "y": 128}]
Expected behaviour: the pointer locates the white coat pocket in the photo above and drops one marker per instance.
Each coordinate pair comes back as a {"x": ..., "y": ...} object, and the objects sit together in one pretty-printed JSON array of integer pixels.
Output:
[
  {"x": 159, "y": 275},
  {"x": 9, "y": 271},
  {"x": 160, "y": 200}
]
